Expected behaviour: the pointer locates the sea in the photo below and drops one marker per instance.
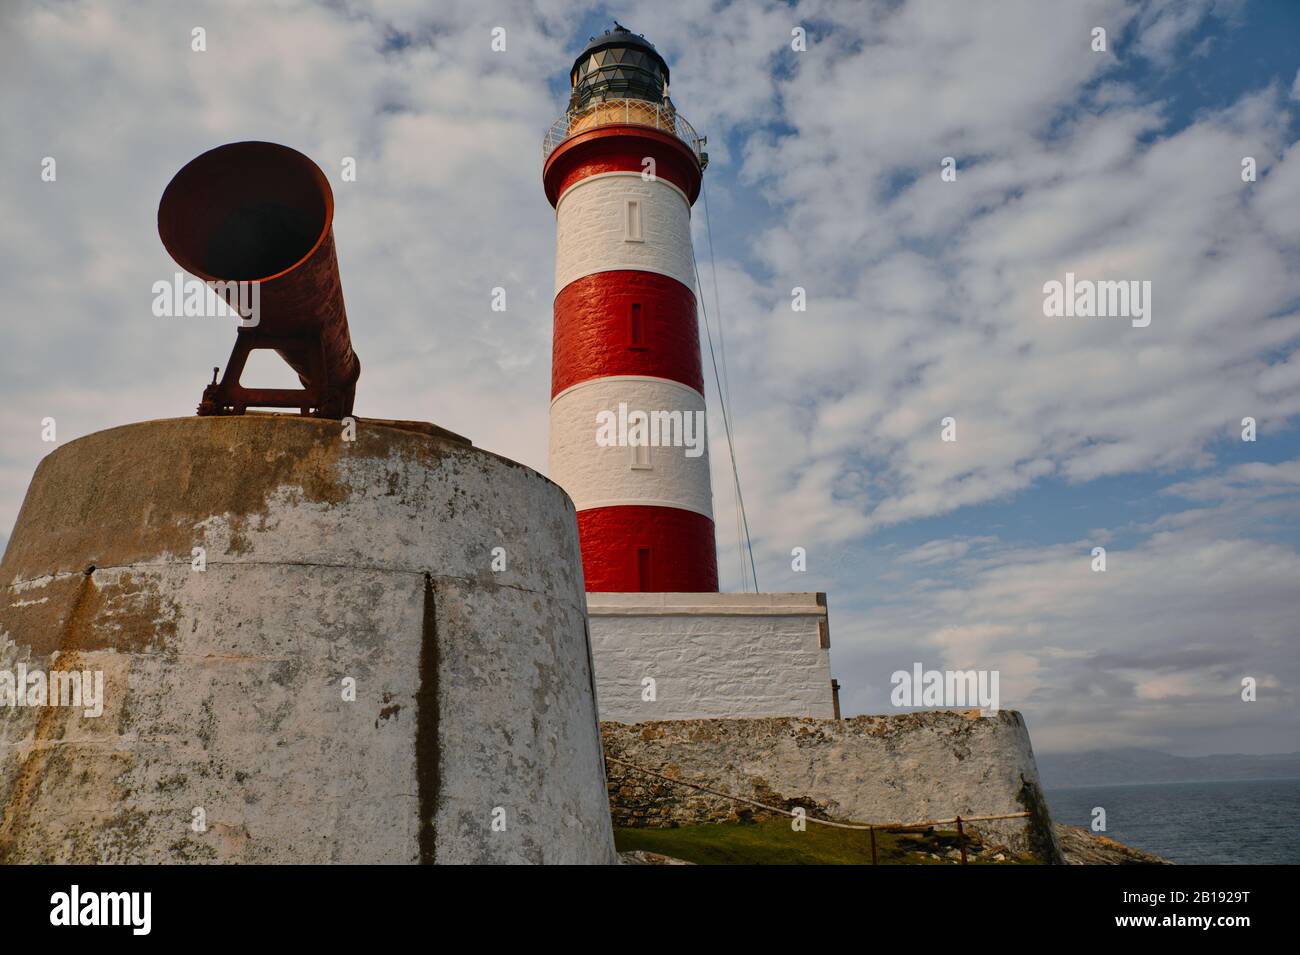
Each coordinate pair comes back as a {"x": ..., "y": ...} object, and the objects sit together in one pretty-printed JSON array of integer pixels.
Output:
[{"x": 1246, "y": 822}]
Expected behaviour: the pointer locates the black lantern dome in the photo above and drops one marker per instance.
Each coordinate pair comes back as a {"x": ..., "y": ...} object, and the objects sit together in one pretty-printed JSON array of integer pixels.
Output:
[{"x": 618, "y": 64}]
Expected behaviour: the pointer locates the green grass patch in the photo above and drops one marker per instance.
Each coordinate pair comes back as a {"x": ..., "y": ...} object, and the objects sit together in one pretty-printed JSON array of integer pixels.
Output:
[{"x": 773, "y": 842}]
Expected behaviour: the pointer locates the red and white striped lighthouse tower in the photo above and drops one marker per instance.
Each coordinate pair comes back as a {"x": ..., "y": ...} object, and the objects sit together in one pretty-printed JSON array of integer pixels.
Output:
[{"x": 622, "y": 170}]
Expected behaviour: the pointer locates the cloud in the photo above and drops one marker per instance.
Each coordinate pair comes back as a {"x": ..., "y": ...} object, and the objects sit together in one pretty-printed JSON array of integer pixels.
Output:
[
  {"x": 924, "y": 296},
  {"x": 1150, "y": 652},
  {"x": 1253, "y": 480}
]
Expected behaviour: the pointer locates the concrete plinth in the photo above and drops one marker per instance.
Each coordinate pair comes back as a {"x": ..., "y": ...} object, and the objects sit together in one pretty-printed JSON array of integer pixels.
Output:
[{"x": 229, "y": 732}]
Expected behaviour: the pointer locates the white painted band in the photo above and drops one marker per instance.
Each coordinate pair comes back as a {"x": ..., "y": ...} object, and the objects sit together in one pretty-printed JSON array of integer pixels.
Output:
[
  {"x": 592, "y": 229},
  {"x": 625, "y": 381},
  {"x": 609, "y": 175},
  {"x": 707, "y": 605},
  {"x": 604, "y": 476}
]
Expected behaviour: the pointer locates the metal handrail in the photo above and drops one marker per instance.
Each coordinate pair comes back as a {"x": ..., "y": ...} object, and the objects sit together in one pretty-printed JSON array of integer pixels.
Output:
[{"x": 615, "y": 112}]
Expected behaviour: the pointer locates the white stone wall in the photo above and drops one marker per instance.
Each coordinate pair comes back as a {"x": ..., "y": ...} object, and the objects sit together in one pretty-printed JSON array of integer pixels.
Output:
[
  {"x": 866, "y": 769},
  {"x": 590, "y": 229},
  {"x": 598, "y": 476},
  {"x": 710, "y": 655}
]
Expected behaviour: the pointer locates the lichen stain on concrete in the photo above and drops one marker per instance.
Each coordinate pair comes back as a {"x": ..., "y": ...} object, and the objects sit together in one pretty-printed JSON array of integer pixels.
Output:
[
  {"x": 51, "y": 727},
  {"x": 1042, "y": 832},
  {"x": 40, "y": 625},
  {"x": 389, "y": 710},
  {"x": 90, "y": 499},
  {"x": 92, "y": 503},
  {"x": 127, "y": 612}
]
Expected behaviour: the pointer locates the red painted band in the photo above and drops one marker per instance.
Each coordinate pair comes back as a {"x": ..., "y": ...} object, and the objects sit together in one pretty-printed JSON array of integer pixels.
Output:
[
  {"x": 621, "y": 149},
  {"x": 652, "y": 549},
  {"x": 625, "y": 323}
]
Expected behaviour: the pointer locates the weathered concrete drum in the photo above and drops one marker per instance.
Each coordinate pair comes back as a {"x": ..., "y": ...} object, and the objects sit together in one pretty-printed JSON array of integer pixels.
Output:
[{"x": 311, "y": 651}]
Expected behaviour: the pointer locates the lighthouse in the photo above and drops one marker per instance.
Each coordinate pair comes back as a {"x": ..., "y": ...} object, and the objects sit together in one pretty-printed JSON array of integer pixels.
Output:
[{"x": 622, "y": 169}]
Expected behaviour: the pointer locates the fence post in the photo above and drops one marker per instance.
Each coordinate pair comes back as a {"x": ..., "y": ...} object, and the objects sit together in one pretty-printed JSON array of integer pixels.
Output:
[
  {"x": 873, "y": 845},
  {"x": 961, "y": 840}
]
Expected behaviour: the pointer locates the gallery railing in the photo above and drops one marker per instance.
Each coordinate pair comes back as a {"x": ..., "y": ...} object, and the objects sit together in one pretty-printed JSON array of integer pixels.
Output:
[{"x": 617, "y": 112}]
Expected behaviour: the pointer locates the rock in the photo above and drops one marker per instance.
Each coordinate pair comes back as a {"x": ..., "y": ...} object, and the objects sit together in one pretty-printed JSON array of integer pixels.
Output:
[
  {"x": 1081, "y": 847},
  {"x": 642, "y": 857}
]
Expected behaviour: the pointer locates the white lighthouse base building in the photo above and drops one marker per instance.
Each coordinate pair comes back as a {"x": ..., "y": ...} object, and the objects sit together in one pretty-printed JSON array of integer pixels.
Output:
[{"x": 682, "y": 656}]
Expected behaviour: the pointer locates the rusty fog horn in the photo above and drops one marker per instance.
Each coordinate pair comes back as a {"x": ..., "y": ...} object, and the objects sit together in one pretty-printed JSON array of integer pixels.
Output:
[{"x": 263, "y": 213}]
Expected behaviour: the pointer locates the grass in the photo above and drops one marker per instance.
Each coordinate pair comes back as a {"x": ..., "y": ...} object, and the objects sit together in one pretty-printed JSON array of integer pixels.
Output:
[{"x": 773, "y": 842}]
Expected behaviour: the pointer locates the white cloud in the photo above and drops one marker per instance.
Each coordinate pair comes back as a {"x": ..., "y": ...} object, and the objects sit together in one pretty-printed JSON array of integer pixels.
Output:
[
  {"x": 925, "y": 300},
  {"x": 924, "y": 296},
  {"x": 1150, "y": 652}
]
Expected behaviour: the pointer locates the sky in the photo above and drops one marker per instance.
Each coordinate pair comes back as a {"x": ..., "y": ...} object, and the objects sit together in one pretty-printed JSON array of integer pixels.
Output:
[{"x": 924, "y": 298}]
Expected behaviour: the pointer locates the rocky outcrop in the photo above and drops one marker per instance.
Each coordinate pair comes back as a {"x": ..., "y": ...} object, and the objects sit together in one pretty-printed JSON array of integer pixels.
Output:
[
  {"x": 1081, "y": 847},
  {"x": 641, "y": 857}
]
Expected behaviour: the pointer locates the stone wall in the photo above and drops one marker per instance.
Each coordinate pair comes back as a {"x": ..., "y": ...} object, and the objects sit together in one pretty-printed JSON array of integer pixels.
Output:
[
  {"x": 710, "y": 655},
  {"x": 903, "y": 768}
]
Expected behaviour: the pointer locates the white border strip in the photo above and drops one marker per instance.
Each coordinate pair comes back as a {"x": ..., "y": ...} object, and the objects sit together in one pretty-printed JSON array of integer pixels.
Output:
[
  {"x": 642, "y": 502},
  {"x": 609, "y": 175},
  {"x": 592, "y": 382}
]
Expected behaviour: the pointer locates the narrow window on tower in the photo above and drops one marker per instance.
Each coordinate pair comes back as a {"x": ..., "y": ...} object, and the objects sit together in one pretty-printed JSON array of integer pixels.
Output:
[
  {"x": 632, "y": 222},
  {"x": 643, "y": 569},
  {"x": 640, "y": 457},
  {"x": 636, "y": 328}
]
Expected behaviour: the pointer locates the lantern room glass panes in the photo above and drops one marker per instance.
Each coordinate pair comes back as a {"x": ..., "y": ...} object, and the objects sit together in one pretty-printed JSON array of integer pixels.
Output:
[{"x": 618, "y": 72}]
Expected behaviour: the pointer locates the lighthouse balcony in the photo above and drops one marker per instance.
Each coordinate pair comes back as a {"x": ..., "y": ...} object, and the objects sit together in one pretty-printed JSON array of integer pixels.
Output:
[{"x": 624, "y": 112}]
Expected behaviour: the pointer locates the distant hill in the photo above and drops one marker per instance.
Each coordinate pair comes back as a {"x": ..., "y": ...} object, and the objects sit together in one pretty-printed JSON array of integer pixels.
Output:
[{"x": 1120, "y": 766}]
